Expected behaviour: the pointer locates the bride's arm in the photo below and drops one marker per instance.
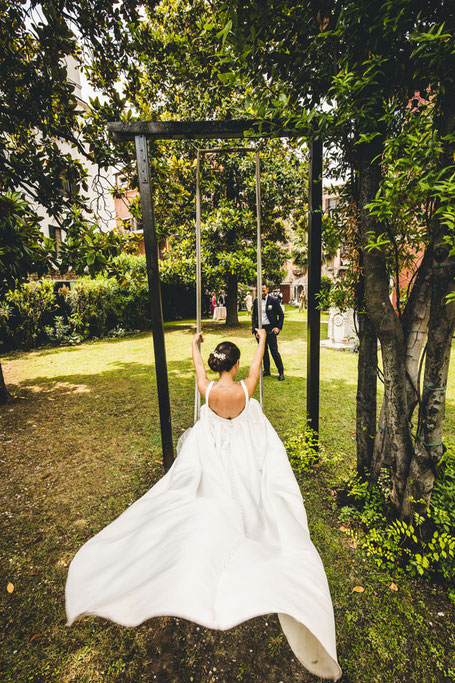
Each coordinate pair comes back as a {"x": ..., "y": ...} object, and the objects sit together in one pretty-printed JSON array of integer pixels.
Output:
[
  {"x": 255, "y": 367},
  {"x": 201, "y": 373}
]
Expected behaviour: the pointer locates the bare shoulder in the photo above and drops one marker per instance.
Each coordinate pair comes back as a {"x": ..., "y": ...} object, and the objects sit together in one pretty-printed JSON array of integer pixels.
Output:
[
  {"x": 251, "y": 384},
  {"x": 202, "y": 385}
]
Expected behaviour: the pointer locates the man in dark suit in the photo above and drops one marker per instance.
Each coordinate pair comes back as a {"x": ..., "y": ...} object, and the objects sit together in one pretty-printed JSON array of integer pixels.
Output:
[
  {"x": 206, "y": 303},
  {"x": 272, "y": 322}
]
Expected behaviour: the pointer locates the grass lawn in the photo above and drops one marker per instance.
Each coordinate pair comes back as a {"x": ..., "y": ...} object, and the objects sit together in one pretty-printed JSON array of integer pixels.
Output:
[{"x": 81, "y": 441}]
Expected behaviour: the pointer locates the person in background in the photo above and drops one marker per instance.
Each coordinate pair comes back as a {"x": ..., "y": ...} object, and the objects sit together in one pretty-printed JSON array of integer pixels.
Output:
[
  {"x": 248, "y": 302},
  {"x": 222, "y": 298},
  {"x": 206, "y": 303},
  {"x": 213, "y": 302},
  {"x": 272, "y": 323}
]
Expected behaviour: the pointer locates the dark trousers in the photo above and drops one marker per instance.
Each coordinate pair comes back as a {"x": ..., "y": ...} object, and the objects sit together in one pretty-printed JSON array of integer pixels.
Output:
[
  {"x": 271, "y": 343},
  {"x": 206, "y": 307}
]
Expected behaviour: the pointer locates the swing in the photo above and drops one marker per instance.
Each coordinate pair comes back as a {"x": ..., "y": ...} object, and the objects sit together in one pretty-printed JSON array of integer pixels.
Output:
[
  {"x": 141, "y": 132},
  {"x": 200, "y": 153}
]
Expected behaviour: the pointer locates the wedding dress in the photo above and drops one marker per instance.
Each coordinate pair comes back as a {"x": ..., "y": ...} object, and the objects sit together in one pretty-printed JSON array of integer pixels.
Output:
[{"x": 220, "y": 539}]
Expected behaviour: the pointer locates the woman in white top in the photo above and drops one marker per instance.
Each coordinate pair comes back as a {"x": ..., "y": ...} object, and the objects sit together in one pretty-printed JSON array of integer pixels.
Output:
[{"x": 222, "y": 537}]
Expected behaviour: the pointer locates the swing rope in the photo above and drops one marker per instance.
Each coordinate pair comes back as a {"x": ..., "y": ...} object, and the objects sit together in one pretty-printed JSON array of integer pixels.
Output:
[{"x": 214, "y": 150}]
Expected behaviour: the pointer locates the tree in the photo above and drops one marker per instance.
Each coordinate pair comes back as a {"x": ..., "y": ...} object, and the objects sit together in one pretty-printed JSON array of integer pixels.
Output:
[
  {"x": 331, "y": 239},
  {"x": 347, "y": 53},
  {"x": 174, "y": 79},
  {"x": 229, "y": 221},
  {"x": 39, "y": 108}
]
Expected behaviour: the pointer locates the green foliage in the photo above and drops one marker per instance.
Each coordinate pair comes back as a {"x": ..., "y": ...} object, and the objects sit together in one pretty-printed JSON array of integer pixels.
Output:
[
  {"x": 101, "y": 304},
  {"x": 39, "y": 104},
  {"x": 24, "y": 313},
  {"x": 301, "y": 449},
  {"x": 324, "y": 293},
  {"x": 443, "y": 497},
  {"x": 87, "y": 250},
  {"x": 341, "y": 295},
  {"x": 330, "y": 238},
  {"x": 228, "y": 225},
  {"x": 33, "y": 315},
  {"x": 128, "y": 267},
  {"x": 422, "y": 546},
  {"x": 23, "y": 248},
  {"x": 60, "y": 332}
]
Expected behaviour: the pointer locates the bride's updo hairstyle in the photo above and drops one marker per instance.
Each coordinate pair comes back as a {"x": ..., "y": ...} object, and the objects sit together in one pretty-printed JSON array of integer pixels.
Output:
[{"x": 224, "y": 357}]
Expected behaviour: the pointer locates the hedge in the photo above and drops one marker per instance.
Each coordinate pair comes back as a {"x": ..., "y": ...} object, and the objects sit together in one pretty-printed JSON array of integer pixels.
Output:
[{"x": 43, "y": 312}]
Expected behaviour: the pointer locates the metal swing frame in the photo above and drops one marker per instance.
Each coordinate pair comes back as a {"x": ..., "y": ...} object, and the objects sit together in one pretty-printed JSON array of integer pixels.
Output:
[
  {"x": 143, "y": 131},
  {"x": 202, "y": 153}
]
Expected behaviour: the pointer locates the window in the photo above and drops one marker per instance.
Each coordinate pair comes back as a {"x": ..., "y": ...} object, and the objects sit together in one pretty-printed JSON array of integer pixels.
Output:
[
  {"x": 128, "y": 224},
  {"x": 131, "y": 224}
]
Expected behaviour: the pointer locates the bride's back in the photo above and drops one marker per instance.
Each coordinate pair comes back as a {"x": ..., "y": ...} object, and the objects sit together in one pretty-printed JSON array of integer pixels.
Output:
[{"x": 227, "y": 401}]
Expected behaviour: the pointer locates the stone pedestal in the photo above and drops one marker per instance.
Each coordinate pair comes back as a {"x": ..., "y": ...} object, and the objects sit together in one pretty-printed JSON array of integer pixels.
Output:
[{"x": 341, "y": 330}]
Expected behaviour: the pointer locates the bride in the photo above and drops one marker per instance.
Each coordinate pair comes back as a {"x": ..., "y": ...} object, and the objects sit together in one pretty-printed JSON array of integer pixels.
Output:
[{"x": 222, "y": 537}]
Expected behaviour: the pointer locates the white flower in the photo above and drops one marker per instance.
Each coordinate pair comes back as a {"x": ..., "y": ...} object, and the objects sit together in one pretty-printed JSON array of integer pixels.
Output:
[{"x": 219, "y": 355}]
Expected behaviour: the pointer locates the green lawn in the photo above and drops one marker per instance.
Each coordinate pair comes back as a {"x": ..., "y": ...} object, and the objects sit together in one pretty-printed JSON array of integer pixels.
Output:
[{"x": 80, "y": 441}]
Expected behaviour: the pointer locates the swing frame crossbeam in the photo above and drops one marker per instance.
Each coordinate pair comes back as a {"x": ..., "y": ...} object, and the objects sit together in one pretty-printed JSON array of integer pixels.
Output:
[{"x": 143, "y": 131}]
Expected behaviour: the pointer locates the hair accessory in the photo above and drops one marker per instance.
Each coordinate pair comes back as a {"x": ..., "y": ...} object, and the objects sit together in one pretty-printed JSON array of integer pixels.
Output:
[{"x": 220, "y": 356}]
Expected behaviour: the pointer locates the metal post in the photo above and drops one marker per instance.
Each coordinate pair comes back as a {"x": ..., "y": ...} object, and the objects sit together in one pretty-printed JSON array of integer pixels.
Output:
[
  {"x": 151, "y": 254},
  {"x": 259, "y": 262},
  {"x": 197, "y": 396},
  {"x": 314, "y": 283}
]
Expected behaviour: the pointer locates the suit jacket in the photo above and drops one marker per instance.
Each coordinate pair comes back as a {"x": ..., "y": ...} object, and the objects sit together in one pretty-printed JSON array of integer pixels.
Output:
[{"x": 274, "y": 313}]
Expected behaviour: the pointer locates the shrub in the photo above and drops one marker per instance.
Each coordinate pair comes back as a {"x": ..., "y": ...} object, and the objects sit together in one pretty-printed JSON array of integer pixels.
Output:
[
  {"x": 89, "y": 304},
  {"x": 301, "y": 449},
  {"x": 131, "y": 266},
  {"x": 94, "y": 307},
  {"x": 25, "y": 312},
  {"x": 422, "y": 546},
  {"x": 60, "y": 332},
  {"x": 101, "y": 304}
]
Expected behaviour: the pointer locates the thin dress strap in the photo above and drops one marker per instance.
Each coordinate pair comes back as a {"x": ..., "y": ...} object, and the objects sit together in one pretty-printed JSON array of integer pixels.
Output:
[
  {"x": 247, "y": 397},
  {"x": 208, "y": 390}
]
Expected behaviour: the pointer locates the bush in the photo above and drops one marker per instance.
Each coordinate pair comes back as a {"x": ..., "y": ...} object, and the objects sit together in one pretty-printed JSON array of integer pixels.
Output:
[
  {"x": 423, "y": 546},
  {"x": 25, "y": 312},
  {"x": 61, "y": 333},
  {"x": 101, "y": 304},
  {"x": 36, "y": 314},
  {"x": 301, "y": 449}
]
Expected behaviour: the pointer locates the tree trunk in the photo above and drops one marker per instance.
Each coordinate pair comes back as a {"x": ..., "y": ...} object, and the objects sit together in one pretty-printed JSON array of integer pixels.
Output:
[
  {"x": 232, "y": 317},
  {"x": 429, "y": 447},
  {"x": 415, "y": 326},
  {"x": 366, "y": 388},
  {"x": 4, "y": 394},
  {"x": 386, "y": 324}
]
